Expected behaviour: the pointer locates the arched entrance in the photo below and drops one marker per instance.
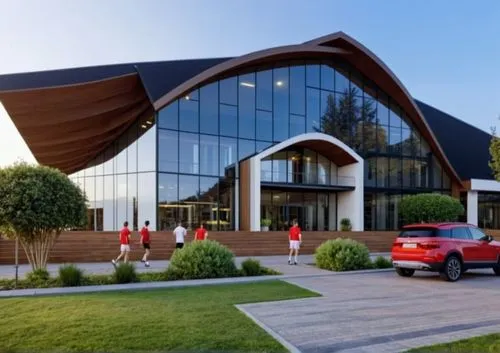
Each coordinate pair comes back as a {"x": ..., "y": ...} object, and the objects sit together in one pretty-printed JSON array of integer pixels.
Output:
[{"x": 341, "y": 186}]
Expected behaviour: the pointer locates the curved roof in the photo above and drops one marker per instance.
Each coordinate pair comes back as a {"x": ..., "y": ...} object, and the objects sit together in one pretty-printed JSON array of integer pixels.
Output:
[{"x": 69, "y": 116}]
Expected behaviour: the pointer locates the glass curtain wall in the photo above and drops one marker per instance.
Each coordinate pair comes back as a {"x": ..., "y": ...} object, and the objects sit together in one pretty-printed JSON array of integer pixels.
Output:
[
  {"x": 203, "y": 135},
  {"x": 120, "y": 183},
  {"x": 489, "y": 210}
]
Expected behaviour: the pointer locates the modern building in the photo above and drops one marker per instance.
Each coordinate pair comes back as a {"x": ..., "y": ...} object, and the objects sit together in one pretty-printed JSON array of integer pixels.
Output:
[{"x": 317, "y": 131}]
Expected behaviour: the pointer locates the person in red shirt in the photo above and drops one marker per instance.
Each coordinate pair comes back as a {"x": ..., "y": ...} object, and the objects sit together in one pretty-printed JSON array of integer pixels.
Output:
[
  {"x": 124, "y": 244},
  {"x": 146, "y": 243},
  {"x": 295, "y": 238},
  {"x": 201, "y": 233}
]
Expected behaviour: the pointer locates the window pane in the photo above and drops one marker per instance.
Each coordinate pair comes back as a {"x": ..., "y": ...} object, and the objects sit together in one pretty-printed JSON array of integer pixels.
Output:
[
  {"x": 383, "y": 110},
  {"x": 341, "y": 80},
  {"x": 193, "y": 95},
  {"x": 437, "y": 174},
  {"x": 382, "y": 172},
  {"x": 228, "y": 120},
  {"x": 323, "y": 170},
  {"x": 109, "y": 161},
  {"x": 395, "y": 173},
  {"x": 121, "y": 158},
  {"x": 188, "y": 153},
  {"x": 408, "y": 173},
  {"x": 168, "y": 150},
  {"x": 146, "y": 199},
  {"x": 407, "y": 142},
  {"x": 395, "y": 140},
  {"x": 109, "y": 202},
  {"x": 132, "y": 149},
  {"x": 382, "y": 138},
  {"x": 313, "y": 110},
  {"x": 280, "y": 167},
  {"x": 370, "y": 172},
  {"x": 188, "y": 198},
  {"x": 90, "y": 192},
  {"x": 297, "y": 125},
  {"x": 168, "y": 117},
  {"x": 227, "y": 153},
  {"x": 226, "y": 204},
  {"x": 132, "y": 201},
  {"x": 246, "y": 148},
  {"x": 297, "y": 90},
  {"x": 264, "y": 125},
  {"x": 121, "y": 200},
  {"x": 229, "y": 91},
  {"x": 266, "y": 169},
  {"x": 209, "y": 155},
  {"x": 146, "y": 149},
  {"x": 262, "y": 145},
  {"x": 209, "y": 109},
  {"x": 327, "y": 77},
  {"x": 246, "y": 106},
  {"x": 208, "y": 203},
  {"x": 312, "y": 75},
  {"x": 99, "y": 168},
  {"x": 394, "y": 115},
  {"x": 167, "y": 201},
  {"x": 422, "y": 177},
  {"x": 382, "y": 217},
  {"x": 281, "y": 99},
  {"x": 99, "y": 202},
  {"x": 446, "y": 181},
  {"x": 188, "y": 115},
  {"x": 370, "y": 137},
  {"x": 265, "y": 90}
]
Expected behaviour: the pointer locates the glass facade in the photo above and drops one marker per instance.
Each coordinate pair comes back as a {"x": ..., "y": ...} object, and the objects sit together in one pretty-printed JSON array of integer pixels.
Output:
[
  {"x": 120, "y": 183},
  {"x": 184, "y": 165},
  {"x": 488, "y": 210}
]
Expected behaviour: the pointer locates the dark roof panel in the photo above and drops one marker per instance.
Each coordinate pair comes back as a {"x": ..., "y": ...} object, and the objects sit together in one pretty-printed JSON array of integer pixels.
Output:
[
  {"x": 466, "y": 146},
  {"x": 53, "y": 78},
  {"x": 159, "y": 78}
]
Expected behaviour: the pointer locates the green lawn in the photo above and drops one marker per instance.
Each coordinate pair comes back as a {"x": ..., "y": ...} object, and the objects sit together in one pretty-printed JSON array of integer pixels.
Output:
[
  {"x": 198, "y": 319},
  {"x": 482, "y": 344}
]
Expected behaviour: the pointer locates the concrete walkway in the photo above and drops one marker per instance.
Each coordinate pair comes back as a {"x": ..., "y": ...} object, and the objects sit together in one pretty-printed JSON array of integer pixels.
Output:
[{"x": 278, "y": 263}]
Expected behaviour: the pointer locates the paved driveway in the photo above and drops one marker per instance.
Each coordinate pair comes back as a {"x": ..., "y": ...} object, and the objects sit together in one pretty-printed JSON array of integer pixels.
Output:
[{"x": 382, "y": 312}]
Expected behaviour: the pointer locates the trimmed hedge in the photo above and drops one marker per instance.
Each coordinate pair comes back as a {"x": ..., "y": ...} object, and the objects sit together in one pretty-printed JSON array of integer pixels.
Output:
[
  {"x": 429, "y": 208},
  {"x": 342, "y": 255},
  {"x": 70, "y": 276}
]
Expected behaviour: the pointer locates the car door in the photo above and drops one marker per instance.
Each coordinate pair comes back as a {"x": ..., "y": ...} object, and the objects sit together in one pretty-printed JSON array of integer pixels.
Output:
[
  {"x": 485, "y": 252},
  {"x": 463, "y": 240}
]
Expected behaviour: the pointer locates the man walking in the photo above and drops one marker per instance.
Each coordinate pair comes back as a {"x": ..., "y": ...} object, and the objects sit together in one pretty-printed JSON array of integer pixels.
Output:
[
  {"x": 201, "y": 233},
  {"x": 179, "y": 234},
  {"x": 295, "y": 238},
  {"x": 124, "y": 244},
  {"x": 146, "y": 243}
]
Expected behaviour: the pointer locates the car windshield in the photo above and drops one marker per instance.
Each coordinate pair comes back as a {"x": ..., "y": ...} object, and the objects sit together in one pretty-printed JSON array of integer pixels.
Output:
[{"x": 418, "y": 233}]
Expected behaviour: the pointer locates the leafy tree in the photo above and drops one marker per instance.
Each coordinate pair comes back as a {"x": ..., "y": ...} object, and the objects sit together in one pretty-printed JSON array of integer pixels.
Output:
[
  {"x": 36, "y": 205},
  {"x": 495, "y": 154},
  {"x": 352, "y": 120},
  {"x": 430, "y": 208}
]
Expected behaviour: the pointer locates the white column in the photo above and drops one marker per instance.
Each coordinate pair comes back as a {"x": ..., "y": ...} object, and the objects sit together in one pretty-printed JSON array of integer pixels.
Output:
[
  {"x": 472, "y": 207},
  {"x": 236, "y": 208},
  {"x": 351, "y": 203},
  {"x": 255, "y": 194}
]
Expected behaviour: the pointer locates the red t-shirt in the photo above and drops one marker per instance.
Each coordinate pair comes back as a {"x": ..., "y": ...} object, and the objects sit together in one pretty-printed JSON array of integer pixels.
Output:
[
  {"x": 294, "y": 233},
  {"x": 145, "y": 235},
  {"x": 124, "y": 236},
  {"x": 200, "y": 234}
]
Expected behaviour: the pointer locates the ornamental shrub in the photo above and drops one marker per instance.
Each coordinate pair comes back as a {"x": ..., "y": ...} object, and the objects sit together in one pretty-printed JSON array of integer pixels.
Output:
[
  {"x": 345, "y": 225},
  {"x": 251, "y": 267},
  {"x": 70, "y": 276},
  {"x": 382, "y": 262},
  {"x": 202, "y": 259},
  {"x": 429, "y": 208},
  {"x": 125, "y": 273},
  {"x": 342, "y": 255}
]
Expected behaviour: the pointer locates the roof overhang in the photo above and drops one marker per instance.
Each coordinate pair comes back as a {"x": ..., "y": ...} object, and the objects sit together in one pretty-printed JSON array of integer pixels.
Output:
[{"x": 67, "y": 126}]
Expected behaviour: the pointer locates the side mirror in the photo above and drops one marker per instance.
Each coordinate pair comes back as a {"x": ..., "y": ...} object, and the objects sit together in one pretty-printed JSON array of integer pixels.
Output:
[{"x": 487, "y": 238}]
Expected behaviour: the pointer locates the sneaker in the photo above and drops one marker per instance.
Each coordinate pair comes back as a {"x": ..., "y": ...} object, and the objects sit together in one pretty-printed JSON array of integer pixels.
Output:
[
  {"x": 289, "y": 262},
  {"x": 146, "y": 263},
  {"x": 295, "y": 263},
  {"x": 143, "y": 261},
  {"x": 113, "y": 262}
]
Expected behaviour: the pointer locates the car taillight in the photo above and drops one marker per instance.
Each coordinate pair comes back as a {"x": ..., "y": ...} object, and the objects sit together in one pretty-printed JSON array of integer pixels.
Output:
[
  {"x": 396, "y": 244},
  {"x": 429, "y": 245}
]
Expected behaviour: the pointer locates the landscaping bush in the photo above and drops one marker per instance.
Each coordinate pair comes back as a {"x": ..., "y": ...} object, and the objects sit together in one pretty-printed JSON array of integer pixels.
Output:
[
  {"x": 125, "y": 273},
  {"x": 39, "y": 275},
  {"x": 430, "y": 208},
  {"x": 342, "y": 255},
  {"x": 345, "y": 225},
  {"x": 251, "y": 267},
  {"x": 202, "y": 259},
  {"x": 70, "y": 276},
  {"x": 382, "y": 262}
]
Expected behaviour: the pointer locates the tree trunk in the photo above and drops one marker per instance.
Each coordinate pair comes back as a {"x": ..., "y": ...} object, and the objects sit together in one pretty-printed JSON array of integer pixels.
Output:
[{"x": 38, "y": 247}]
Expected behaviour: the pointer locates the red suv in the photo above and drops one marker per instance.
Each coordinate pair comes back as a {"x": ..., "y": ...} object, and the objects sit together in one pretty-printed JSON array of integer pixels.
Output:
[{"x": 447, "y": 248}]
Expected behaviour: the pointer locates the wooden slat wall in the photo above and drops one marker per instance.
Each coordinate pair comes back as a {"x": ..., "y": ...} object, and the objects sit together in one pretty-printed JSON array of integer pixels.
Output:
[{"x": 74, "y": 247}]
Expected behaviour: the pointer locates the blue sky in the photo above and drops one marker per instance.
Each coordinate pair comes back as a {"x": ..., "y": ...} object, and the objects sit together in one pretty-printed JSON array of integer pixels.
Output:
[{"x": 447, "y": 53}]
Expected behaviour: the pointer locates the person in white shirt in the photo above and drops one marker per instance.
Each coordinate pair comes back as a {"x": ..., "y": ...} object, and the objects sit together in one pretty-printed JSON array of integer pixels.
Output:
[{"x": 179, "y": 233}]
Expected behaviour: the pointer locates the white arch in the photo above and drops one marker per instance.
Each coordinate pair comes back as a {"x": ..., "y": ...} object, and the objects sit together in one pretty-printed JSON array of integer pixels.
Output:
[{"x": 350, "y": 202}]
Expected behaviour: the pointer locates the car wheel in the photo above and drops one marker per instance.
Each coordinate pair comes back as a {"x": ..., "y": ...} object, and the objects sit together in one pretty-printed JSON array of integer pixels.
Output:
[
  {"x": 496, "y": 269},
  {"x": 405, "y": 272},
  {"x": 452, "y": 269}
]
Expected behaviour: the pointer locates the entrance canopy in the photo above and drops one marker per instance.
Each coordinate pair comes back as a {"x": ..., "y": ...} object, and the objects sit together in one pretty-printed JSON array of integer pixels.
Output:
[{"x": 349, "y": 165}]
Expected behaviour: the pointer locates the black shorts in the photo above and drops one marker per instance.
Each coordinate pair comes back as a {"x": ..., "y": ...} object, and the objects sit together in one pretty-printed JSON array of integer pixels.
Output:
[
  {"x": 146, "y": 246},
  {"x": 179, "y": 245}
]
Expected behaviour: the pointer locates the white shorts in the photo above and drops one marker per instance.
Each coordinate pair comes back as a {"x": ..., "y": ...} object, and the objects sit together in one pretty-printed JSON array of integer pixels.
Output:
[
  {"x": 124, "y": 248},
  {"x": 294, "y": 244}
]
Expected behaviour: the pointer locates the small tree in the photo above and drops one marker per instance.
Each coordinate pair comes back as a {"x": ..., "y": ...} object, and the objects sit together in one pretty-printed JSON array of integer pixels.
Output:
[
  {"x": 495, "y": 154},
  {"x": 430, "y": 208},
  {"x": 36, "y": 204}
]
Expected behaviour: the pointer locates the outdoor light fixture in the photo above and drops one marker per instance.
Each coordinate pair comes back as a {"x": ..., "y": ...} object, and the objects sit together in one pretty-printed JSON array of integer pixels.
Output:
[
  {"x": 144, "y": 126},
  {"x": 187, "y": 98},
  {"x": 149, "y": 122},
  {"x": 279, "y": 83},
  {"x": 247, "y": 84}
]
